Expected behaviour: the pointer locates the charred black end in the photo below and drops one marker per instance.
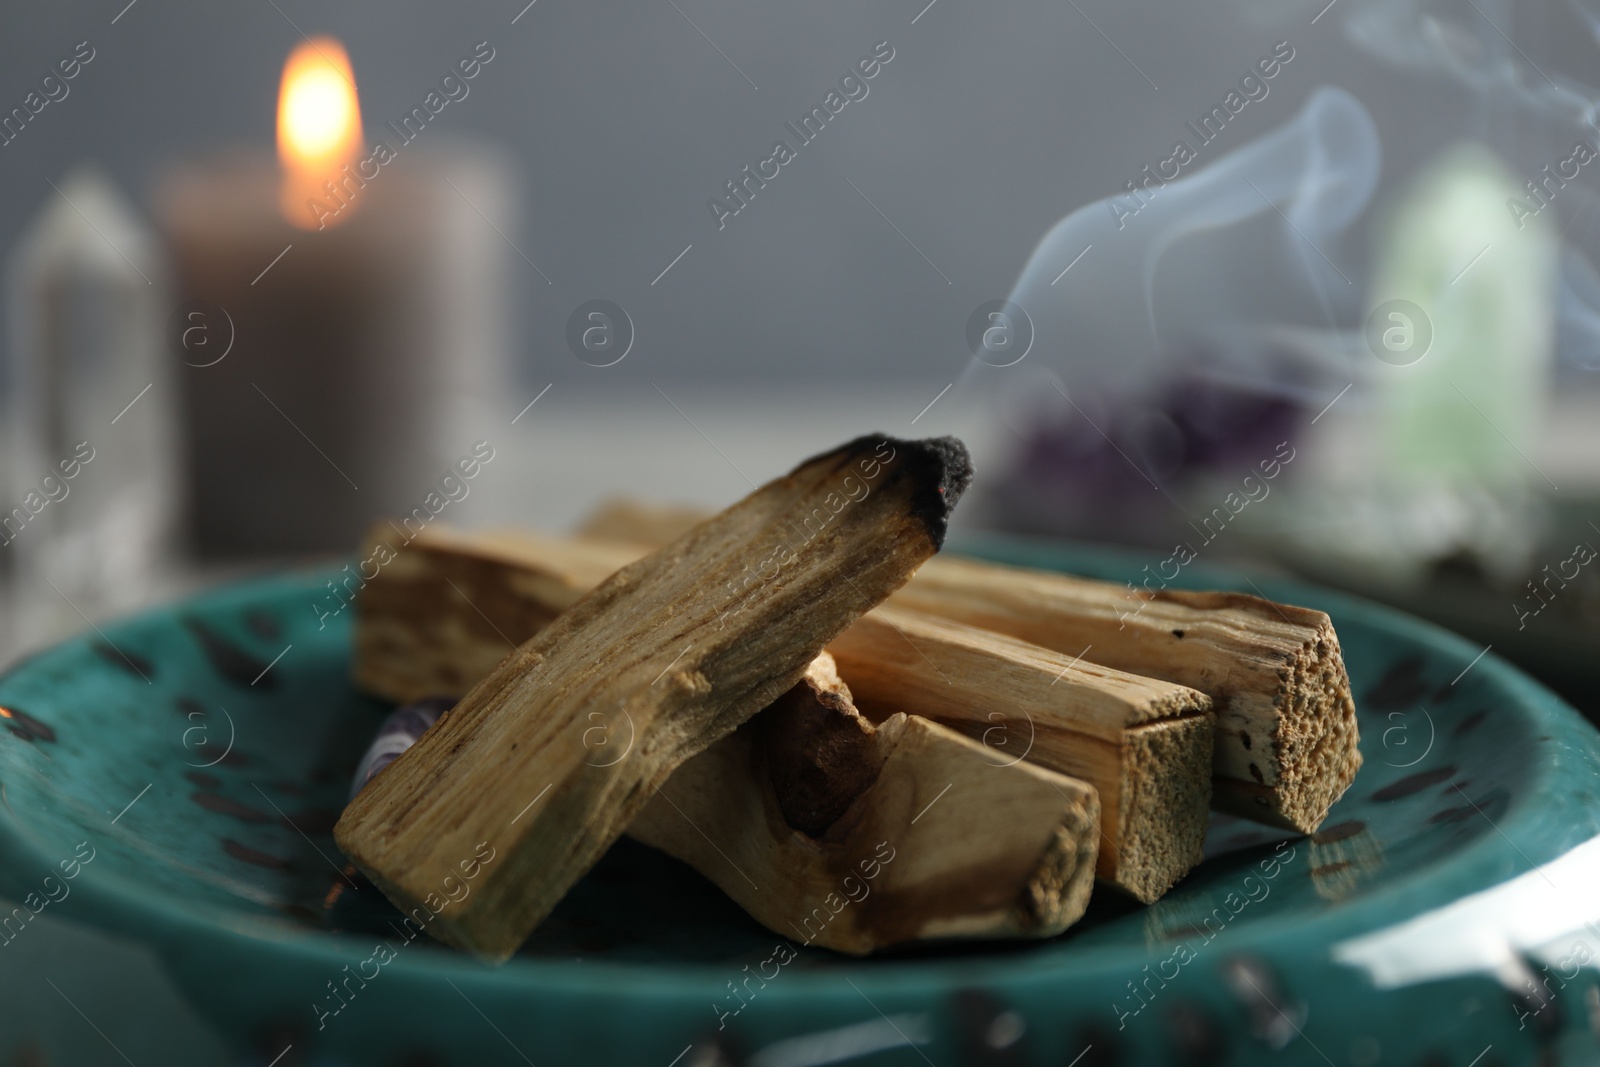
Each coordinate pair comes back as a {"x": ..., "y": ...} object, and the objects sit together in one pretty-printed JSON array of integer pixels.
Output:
[
  {"x": 946, "y": 464},
  {"x": 940, "y": 467}
]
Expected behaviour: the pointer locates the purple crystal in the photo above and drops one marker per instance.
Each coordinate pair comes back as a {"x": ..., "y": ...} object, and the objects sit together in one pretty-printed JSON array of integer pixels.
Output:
[
  {"x": 1113, "y": 469},
  {"x": 399, "y": 732}
]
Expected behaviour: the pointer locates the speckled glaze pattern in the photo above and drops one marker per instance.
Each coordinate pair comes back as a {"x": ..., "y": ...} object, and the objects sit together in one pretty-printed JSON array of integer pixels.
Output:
[{"x": 204, "y": 751}]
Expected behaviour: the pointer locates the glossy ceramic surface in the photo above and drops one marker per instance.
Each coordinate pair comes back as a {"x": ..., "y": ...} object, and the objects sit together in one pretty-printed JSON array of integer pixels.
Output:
[{"x": 199, "y": 755}]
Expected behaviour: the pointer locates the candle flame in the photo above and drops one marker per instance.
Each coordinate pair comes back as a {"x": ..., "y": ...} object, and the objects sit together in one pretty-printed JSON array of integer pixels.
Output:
[{"x": 319, "y": 133}]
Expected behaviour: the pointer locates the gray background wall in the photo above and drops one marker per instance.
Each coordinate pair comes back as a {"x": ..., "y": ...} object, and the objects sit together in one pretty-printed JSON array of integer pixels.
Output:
[{"x": 992, "y": 121}]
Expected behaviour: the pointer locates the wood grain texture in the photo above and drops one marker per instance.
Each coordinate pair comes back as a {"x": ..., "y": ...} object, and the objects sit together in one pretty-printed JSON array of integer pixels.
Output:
[
  {"x": 1145, "y": 745},
  {"x": 835, "y": 832},
  {"x": 762, "y": 812},
  {"x": 682, "y": 645},
  {"x": 1286, "y": 736},
  {"x": 449, "y": 606},
  {"x": 417, "y": 637}
]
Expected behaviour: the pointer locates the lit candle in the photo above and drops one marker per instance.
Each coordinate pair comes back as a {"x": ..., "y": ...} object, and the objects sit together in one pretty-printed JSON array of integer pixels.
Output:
[
  {"x": 319, "y": 130},
  {"x": 339, "y": 323}
]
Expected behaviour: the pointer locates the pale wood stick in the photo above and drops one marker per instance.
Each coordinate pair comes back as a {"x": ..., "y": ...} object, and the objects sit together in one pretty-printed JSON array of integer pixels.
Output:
[
  {"x": 1286, "y": 738},
  {"x": 447, "y": 606},
  {"x": 452, "y": 604},
  {"x": 834, "y": 832},
  {"x": 1145, "y": 745},
  {"x": 683, "y": 645}
]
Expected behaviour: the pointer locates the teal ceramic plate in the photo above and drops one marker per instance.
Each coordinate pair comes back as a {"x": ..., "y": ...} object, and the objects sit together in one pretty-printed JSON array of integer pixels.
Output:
[{"x": 186, "y": 768}]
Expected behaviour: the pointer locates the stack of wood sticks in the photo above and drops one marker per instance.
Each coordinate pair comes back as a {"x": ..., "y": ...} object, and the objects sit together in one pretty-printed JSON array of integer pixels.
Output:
[{"x": 861, "y": 744}]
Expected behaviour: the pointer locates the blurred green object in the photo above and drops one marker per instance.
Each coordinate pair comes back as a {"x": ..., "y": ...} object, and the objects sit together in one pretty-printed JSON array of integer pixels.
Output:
[
  {"x": 1435, "y": 496},
  {"x": 1485, "y": 284},
  {"x": 1432, "y": 457}
]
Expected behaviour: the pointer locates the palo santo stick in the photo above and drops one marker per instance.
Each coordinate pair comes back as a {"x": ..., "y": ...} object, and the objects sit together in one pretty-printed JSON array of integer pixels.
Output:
[
  {"x": 448, "y": 606},
  {"x": 1286, "y": 724},
  {"x": 683, "y": 645},
  {"x": 452, "y": 603},
  {"x": 854, "y": 837},
  {"x": 1145, "y": 745},
  {"x": 779, "y": 822},
  {"x": 1286, "y": 738}
]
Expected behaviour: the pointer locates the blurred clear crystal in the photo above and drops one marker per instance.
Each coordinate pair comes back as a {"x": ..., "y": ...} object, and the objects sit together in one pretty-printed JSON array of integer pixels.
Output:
[{"x": 87, "y": 517}]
